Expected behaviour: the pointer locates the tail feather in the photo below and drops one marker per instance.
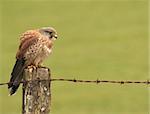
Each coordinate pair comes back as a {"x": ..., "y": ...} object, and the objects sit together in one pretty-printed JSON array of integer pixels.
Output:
[{"x": 16, "y": 76}]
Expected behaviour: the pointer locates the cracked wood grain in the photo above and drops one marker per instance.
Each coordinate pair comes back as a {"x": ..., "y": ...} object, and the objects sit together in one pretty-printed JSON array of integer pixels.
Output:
[{"x": 36, "y": 91}]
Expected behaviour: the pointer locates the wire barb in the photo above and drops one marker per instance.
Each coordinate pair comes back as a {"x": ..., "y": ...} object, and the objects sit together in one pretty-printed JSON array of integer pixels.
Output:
[{"x": 147, "y": 82}]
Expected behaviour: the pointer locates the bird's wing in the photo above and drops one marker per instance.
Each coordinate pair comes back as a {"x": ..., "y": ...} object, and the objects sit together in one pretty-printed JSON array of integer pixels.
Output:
[{"x": 27, "y": 40}]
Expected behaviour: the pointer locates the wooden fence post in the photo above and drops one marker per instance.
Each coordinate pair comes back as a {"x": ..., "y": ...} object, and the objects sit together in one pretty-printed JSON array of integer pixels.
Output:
[{"x": 36, "y": 93}]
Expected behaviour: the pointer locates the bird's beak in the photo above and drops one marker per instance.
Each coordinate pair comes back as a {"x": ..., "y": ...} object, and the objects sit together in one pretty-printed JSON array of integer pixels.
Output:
[{"x": 55, "y": 36}]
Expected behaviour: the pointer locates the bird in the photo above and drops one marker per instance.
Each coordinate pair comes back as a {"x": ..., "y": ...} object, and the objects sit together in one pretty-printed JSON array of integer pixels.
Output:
[{"x": 35, "y": 46}]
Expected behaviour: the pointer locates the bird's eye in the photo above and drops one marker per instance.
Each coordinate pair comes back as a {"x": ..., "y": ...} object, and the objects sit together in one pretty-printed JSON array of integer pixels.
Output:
[{"x": 48, "y": 32}]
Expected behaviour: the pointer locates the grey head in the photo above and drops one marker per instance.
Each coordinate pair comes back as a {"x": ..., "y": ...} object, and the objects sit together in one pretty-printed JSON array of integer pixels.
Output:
[{"x": 50, "y": 32}]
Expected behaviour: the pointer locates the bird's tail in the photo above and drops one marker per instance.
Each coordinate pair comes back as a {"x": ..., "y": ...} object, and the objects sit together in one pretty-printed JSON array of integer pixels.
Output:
[{"x": 16, "y": 76}]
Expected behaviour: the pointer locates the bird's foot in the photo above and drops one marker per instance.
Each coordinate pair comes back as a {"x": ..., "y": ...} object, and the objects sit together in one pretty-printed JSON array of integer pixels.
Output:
[{"x": 32, "y": 67}]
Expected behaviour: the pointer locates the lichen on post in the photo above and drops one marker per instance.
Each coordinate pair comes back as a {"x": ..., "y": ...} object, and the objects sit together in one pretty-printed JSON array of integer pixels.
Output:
[{"x": 36, "y": 91}]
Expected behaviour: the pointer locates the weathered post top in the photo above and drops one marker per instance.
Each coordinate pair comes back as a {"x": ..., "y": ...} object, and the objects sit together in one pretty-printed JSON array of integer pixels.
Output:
[{"x": 36, "y": 91}]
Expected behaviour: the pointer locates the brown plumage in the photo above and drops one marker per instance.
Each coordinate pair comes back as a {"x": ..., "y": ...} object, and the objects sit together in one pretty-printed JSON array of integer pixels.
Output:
[{"x": 35, "y": 46}]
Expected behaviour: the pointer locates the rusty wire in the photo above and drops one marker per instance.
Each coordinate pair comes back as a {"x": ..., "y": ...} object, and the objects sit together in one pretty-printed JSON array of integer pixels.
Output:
[{"x": 97, "y": 81}]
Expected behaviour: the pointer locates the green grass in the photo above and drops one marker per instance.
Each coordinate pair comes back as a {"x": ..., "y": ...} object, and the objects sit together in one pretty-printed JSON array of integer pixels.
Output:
[{"x": 99, "y": 39}]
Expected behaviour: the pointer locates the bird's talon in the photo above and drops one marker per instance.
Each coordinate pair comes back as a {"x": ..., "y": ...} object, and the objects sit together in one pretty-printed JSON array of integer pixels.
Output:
[{"x": 32, "y": 66}]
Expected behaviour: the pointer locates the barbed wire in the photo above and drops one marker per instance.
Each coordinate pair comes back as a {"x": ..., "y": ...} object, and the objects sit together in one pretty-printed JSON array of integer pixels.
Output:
[{"x": 97, "y": 81}]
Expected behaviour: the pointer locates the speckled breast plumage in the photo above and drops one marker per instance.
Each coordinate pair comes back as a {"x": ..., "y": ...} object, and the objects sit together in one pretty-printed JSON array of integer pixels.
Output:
[{"x": 39, "y": 47}]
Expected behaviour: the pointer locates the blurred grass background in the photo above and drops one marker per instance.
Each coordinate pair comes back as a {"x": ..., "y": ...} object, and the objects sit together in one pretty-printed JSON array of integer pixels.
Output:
[{"x": 97, "y": 39}]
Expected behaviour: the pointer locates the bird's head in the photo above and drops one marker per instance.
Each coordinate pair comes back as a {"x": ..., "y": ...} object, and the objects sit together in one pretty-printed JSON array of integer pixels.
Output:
[{"x": 49, "y": 32}]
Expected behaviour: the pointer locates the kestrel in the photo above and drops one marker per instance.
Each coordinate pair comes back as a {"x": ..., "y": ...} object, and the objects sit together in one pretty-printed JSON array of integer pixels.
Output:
[{"x": 35, "y": 46}]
